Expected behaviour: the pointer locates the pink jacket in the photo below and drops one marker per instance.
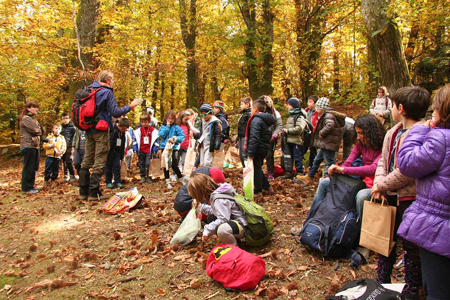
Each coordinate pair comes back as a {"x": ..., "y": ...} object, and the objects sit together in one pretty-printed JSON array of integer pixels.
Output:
[
  {"x": 404, "y": 185},
  {"x": 370, "y": 158}
]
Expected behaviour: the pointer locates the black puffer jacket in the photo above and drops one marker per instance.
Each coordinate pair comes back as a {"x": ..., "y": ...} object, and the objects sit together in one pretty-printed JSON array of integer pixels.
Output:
[
  {"x": 328, "y": 133},
  {"x": 183, "y": 201},
  {"x": 68, "y": 131},
  {"x": 242, "y": 123},
  {"x": 259, "y": 133}
]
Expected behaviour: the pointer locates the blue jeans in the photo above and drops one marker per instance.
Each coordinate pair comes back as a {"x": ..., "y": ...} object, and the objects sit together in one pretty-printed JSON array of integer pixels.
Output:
[
  {"x": 51, "y": 168},
  {"x": 298, "y": 157},
  {"x": 363, "y": 195},
  {"x": 144, "y": 164},
  {"x": 324, "y": 187},
  {"x": 328, "y": 156}
]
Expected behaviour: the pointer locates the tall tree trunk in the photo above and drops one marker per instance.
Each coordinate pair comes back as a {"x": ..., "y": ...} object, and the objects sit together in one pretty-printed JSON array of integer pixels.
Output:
[
  {"x": 385, "y": 36},
  {"x": 258, "y": 69},
  {"x": 86, "y": 21},
  {"x": 189, "y": 35},
  {"x": 309, "y": 20},
  {"x": 156, "y": 88}
]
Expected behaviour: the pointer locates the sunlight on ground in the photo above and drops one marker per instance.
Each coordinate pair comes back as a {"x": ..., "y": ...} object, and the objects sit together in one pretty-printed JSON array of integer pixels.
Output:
[{"x": 63, "y": 222}]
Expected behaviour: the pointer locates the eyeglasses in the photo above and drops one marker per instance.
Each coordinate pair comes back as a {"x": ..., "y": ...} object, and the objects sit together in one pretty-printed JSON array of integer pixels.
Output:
[{"x": 204, "y": 115}]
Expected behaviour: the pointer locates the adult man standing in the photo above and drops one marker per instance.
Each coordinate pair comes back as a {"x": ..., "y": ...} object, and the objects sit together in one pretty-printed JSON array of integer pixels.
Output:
[
  {"x": 68, "y": 130},
  {"x": 97, "y": 139}
]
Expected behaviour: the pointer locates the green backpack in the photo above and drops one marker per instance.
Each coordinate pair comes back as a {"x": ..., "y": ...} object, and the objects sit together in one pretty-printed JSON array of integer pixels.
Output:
[{"x": 259, "y": 223}]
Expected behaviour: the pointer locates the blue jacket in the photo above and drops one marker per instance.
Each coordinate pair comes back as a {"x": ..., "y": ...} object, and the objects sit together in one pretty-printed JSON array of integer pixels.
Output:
[
  {"x": 166, "y": 132},
  {"x": 104, "y": 99}
]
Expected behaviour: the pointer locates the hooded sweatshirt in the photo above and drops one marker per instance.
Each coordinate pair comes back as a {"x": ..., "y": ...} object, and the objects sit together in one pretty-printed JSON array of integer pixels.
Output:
[{"x": 223, "y": 207}]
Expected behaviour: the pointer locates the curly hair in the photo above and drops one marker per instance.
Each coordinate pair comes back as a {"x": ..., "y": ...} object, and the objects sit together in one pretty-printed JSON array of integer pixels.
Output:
[{"x": 372, "y": 129}]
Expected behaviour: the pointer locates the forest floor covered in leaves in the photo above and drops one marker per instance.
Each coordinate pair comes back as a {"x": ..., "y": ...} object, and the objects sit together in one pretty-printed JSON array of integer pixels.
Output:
[{"x": 54, "y": 246}]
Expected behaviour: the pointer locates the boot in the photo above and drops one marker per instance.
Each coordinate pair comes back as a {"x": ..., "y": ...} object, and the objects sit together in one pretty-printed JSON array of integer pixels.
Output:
[
  {"x": 168, "y": 185},
  {"x": 84, "y": 183},
  {"x": 305, "y": 179},
  {"x": 384, "y": 269},
  {"x": 94, "y": 189},
  {"x": 413, "y": 271}
]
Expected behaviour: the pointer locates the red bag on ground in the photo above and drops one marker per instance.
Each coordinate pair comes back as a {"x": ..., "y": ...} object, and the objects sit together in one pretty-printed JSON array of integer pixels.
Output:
[{"x": 235, "y": 268}]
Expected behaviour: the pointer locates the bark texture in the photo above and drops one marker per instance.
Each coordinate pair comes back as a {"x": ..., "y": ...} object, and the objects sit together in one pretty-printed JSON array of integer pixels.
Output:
[
  {"x": 189, "y": 35},
  {"x": 385, "y": 37}
]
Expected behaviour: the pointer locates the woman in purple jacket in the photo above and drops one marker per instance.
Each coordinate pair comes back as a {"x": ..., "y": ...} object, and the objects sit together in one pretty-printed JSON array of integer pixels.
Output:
[{"x": 425, "y": 155}]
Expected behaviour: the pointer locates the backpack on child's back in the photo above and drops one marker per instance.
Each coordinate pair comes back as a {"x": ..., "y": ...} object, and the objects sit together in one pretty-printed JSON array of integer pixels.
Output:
[{"x": 260, "y": 226}]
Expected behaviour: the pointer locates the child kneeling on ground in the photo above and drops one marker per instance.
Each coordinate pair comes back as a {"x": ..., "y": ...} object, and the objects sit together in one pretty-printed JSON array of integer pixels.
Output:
[{"x": 231, "y": 222}]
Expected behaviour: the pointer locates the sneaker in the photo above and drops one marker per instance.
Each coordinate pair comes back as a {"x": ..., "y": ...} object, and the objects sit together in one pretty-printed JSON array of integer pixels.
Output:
[
  {"x": 83, "y": 197},
  {"x": 72, "y": 179},
  {"x": 173, "y": 178},
  {"x": 185, "y": 179},
  {"x": 66, "y": 179},
  {"x": 168, "y": 185},
  {"x": 270, "y": 177},
  {"x": 305, "y": 178},
  {"x": 32, "y": 191},
  {"x": 149, "y": 179},
  {"x": 143, "y": 180},
  {"x": 119, "y": 185},
  {"x": 109, "y": 186}
]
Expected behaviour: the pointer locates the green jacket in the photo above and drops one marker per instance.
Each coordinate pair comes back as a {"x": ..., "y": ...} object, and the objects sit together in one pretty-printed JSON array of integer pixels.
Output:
[{"x": 295, "y": 126}]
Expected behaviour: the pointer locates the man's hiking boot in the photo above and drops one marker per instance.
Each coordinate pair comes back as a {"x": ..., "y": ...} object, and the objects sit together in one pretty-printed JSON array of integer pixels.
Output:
[{"x": 305, "y": 178}]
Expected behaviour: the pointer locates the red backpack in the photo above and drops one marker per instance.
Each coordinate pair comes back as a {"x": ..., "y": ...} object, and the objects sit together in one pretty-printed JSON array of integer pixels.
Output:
[
  {"x": 84, "y": 113},
  {"x": 235, "y": 268}
]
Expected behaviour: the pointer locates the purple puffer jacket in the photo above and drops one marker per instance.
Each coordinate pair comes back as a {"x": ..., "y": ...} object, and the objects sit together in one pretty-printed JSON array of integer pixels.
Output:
[{"x": 425, "y": 155}]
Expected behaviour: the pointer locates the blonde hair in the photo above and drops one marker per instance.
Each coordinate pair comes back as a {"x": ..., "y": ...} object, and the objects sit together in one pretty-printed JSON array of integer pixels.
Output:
[
  {"x": 104, "y": 76},
  {"x": 201, "y": 186}
]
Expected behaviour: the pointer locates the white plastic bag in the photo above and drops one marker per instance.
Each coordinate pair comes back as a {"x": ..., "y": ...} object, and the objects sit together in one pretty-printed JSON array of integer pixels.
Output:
[
  {"x": 249, "y": 184},
  {"x": 187, "y": 230}
]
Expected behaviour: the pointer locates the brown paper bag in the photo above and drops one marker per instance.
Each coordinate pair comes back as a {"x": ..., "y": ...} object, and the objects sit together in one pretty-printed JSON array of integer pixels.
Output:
[
  {"x": 155, "y": 167},
  {"x": 377, "y": 229},
  {"x": 219, "y": 159},
  {"x": 123, "y": 170},
  {"x": 232, "y": 156}
]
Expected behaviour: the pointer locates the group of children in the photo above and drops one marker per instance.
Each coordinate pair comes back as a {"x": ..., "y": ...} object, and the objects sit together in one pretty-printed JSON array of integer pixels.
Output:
[{"x": 409, "y": 165}]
